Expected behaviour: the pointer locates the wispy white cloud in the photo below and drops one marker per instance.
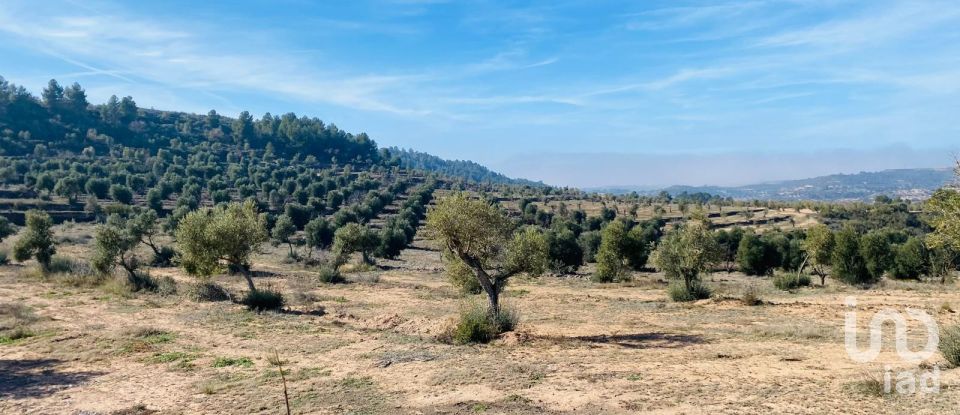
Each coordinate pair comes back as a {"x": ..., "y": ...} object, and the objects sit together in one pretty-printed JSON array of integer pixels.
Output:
[
  {"x": 123, "y": 45},
  {"x": 670, "y": 18},
  {"x": 876, "y": 26}
]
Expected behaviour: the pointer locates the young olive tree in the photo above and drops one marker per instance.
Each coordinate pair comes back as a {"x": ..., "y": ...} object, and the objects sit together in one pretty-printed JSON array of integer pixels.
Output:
[
  {"x": 283, "y": 232},
  {"x": 483, "y": 238},
  {"x": 819, "y": 246},
  {"x": 318, "y": 234},
  {"x": 116, "y": 242},
  {"x": 228, "y": 234},
  {"x": 610, "y": 255},
  {"x": 686, "y": 253},
  {"x": 37, "y": 241},
  {"x": 848, "y": 263},
  {"x": 354, "y": 237},
  {"x": 114, "y": 245}
]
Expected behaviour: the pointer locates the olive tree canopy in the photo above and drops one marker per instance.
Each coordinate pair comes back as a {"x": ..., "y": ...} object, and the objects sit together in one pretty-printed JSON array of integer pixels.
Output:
[
  {"x": 228, "y": 234},
  {"x": 482, "y": 237}
]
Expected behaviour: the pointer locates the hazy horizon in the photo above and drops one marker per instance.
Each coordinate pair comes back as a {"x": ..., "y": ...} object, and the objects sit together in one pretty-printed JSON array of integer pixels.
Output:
[{"x": 593, "y": 170}]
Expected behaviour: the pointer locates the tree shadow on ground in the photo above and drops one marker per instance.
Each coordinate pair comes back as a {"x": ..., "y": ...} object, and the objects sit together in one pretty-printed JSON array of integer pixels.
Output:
[
  {"x": 654, "y": 340},
  {"x": 33, "y": 378}
]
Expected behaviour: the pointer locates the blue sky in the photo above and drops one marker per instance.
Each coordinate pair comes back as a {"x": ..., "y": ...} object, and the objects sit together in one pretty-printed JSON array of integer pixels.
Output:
[{"x": 582, "y": 93}]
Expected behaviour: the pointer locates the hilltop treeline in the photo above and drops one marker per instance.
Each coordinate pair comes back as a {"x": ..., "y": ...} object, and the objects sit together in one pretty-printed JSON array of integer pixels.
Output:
[
  {"x": 458, "y": 168},
  {"x": 62, "y": 119}
]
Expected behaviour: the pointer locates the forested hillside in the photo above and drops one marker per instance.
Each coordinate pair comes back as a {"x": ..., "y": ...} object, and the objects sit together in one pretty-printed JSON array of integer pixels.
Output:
[
  {"x": 459, "y": 168},
  {"x": 63, "y": 120}
]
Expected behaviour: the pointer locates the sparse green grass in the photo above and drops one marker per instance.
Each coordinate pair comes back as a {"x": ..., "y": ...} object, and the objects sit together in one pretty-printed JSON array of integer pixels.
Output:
[
  {"x": 14, "y": 321},
  {"x": 151, "y": 335},
  {"x": 15, "y": 334},
  {"x": 356, "y": 382},
  {"x": 309, "y": 372},
  {"x": 232, "y": 361},
  {"x": 170, "y": 357}
]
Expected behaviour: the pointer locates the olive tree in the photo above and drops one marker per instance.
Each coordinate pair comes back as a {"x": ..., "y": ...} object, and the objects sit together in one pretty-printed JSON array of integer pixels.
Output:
[
  {"x": 686, "y": 253},
  {"x": 69, "y": 187},
  {"x": 116, "y": 242},
  {"x": 354, "y": 237},
  {"x": 819, "y": 246},
  {"x": 114, "y": 245},
  {"x": 876, "y": 253},
  {"x": 610, "y": 255},
  {"x": 318, "y": 234},
  {"x": 145, "y": 227},
  {"x": 283, "y": 231},
  {"x": 227, "y": 234},
  {"x": 37, "y": 241},
  {"x": 483, "y": 238},
  {"x": 755, "y": 256},
  {"x": 910, "y": 260},
  {"x": 848, "y": 263}
]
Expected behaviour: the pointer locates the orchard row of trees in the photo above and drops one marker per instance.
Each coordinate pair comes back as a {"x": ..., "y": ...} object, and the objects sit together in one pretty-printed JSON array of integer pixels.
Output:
[{"x": 212, "y": 240}]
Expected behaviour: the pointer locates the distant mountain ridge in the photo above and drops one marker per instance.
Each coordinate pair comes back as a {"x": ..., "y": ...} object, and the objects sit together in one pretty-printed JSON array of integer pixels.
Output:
[{"x": 911, "y": 184}]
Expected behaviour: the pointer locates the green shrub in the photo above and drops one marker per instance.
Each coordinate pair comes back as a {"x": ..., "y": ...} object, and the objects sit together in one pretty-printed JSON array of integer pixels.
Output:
[
  {"x": 679, "y": 292},
  {"x": 756, "y": 255},
  {"x": 208, "y": 291},
  {"x": 141, "y": 281},
  {"x": 164, "y": 258},
  {"x": 910, "y": 260},
  {"x": 474, "y": 325},
  {"x": 63, "y": 265},
  {"x": 4, "y": 257},
  {"x": 848, "y": 263},
  {"x": 790, "y": 281},
  {"x": 263, "y": 300},
  {"x": 78, "y": 274},
  {"x": 950, "y": 345},
  {"x": 330, "y": 275}
]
